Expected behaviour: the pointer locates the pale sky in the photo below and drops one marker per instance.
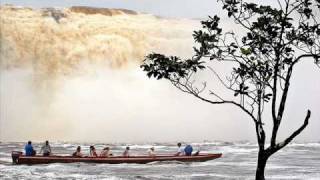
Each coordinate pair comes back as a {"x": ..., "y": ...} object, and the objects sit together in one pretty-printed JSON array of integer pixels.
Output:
[{"x": 167, "y": 8}]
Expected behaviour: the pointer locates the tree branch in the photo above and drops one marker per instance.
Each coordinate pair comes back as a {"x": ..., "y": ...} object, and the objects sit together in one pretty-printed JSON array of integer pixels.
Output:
[
  {"x": 294, "y": 134},
  {"x": 188, "y": 89},
  {"x": 315, "y": 56},
  {"x": 227, "y": 102},
  {"x": 284, "y": 97}
]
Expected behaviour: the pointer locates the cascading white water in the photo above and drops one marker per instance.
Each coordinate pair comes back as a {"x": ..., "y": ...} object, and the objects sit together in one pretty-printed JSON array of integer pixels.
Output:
[
  {"x": 56, "y": 41},
  {"x": 73, "y": 74}
]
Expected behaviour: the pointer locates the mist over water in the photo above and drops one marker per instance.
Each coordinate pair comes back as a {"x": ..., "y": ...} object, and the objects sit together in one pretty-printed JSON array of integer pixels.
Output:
[{"x": 74, "y": 76}]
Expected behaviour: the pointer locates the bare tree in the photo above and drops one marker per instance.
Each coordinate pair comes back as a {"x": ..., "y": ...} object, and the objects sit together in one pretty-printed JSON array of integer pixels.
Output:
[{"x": 276, "y": 40}]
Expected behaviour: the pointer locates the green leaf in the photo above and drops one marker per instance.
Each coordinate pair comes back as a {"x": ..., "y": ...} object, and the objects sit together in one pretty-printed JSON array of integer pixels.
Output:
[{"x": 245, "y": 51}]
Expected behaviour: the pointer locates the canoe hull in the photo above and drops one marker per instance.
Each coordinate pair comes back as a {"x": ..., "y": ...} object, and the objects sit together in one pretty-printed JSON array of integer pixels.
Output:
[{"x": 112, "y": 160}]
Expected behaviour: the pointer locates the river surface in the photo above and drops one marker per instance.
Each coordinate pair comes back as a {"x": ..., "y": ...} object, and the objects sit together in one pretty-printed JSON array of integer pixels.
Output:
[{"x": 296, "y": 161}]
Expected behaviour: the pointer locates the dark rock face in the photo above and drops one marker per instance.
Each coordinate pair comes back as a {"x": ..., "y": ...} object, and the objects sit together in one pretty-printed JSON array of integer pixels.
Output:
[
  {"x": 56, "y": 14},
  {"x": 103, "y": 11}
]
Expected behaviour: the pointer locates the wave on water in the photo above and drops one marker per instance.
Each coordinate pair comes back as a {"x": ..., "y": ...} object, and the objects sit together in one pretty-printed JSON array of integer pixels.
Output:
[
  {"x": 238, "y": 162},
  {"x": 309, "y": 144}
]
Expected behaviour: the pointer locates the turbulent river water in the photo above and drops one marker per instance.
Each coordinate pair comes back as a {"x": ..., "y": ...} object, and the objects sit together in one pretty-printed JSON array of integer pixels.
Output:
[{"x": 297, "y": 161}]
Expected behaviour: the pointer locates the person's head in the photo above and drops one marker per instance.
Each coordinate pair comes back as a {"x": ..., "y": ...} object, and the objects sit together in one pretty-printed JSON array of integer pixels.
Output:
[
  {"x": 106, "y": 148},
  {"x": 47, "y": 142},
  {"x": 152, "y": 148},
  {"x": 179, "y": 144},
  {"x": 29, "y": 142},
  {"x": 127, "y": 148},
  {"x": 78, "y": 148}
]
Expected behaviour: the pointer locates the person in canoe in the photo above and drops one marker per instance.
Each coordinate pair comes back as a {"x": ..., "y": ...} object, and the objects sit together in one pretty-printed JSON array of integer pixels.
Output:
[
  {"x": 93, "y": 152},
  {"x": 78, "y": 152},
  {"x": 151, "y": 152},
  {"x": 188, "y": 150},
  {"x": 106, "y": 152},
  {"x": 126, "y": 152},
  {"x": 46, "y": 149},
  {"x": 29, "y": 149},
  {"x": 180, "y": 151}
]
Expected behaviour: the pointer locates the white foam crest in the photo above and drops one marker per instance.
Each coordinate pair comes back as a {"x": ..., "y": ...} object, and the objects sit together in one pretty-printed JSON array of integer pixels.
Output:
[
  {"x": 311, "y": 144},
  {"x": 296, "y": 176},
  {"x": 3, "y": 159},
  {"x": 234, "y": 149}
]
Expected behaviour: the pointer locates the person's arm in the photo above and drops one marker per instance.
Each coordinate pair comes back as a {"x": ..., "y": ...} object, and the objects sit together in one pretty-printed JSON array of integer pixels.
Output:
[
  {"x": 34, "y": 152},
  {"x": 126, "y": 153},
  {"x": 179, "y": 152},
  {"x": 102, "y": 153},
  {"x": 153, "y": 154}
]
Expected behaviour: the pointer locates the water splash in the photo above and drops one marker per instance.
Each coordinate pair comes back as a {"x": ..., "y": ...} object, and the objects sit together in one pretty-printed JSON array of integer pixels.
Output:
[
  {"x": 65, "y": 72},
  {"x": 57, "y": 41}
]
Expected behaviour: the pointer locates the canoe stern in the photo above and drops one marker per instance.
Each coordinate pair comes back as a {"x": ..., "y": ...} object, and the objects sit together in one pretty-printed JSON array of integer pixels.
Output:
[{"x": 15, "y": 156}]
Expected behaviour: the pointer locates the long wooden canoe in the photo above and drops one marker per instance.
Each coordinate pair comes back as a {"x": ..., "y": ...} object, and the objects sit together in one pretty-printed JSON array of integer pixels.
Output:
[{"x": 18, "y": 158}]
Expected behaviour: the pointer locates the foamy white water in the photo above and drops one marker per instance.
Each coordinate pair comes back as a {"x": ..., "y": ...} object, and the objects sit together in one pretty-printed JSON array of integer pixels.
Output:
[
  {"x": 297, "y": 161},
  {"x": 72, "y": 70}
]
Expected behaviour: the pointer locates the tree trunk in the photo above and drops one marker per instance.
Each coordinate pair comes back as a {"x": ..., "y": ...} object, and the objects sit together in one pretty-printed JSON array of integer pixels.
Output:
[{"x": 262, "y": 161}]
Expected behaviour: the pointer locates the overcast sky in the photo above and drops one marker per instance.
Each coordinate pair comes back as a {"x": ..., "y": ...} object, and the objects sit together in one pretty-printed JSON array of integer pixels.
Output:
[{"x": 167, "y": 8}]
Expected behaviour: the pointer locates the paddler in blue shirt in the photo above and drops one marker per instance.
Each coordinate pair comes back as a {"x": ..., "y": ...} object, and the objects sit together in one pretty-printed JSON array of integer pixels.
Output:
[{"x": 29, "y": 149}]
